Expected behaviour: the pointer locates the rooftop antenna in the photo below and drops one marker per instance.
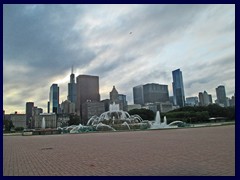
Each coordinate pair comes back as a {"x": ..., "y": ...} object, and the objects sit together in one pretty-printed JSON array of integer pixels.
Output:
[{"x": 72, "y": 69}]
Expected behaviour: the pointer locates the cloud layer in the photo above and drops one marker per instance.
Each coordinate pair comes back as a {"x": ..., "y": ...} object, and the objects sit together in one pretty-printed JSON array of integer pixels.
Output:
[{"x": 125, "y": 45}]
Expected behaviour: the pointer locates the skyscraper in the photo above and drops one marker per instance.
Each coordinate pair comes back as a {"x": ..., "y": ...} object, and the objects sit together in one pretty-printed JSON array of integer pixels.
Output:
[
  {"x": 221, "y": 95},
  {"x": 87, "y": 90},
  {"x": 138, "y": 95},
  {"x": 155, "y": 93},
  {"x": 29, "y": 113},
  {"x": 192, "y": 101},
  {"x": 54, "y": 99},
  {"x": 150, "y": 93},
  {"x": 204, "y": 98},
  {"x": 118, "y": 99},
  {"x": 114, "y": 95},
  {"x": 72, "y": 89},
  {"x": 123, "y": 102},
  {"x": 178, "y": 88}
]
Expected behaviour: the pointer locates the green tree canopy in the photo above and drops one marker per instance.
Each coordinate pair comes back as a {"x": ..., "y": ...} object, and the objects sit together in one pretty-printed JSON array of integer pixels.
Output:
[
  {"x": 8, "y": 124},
  {"x": 145, "y": 114},
  {"x": 74, "y": 120}
]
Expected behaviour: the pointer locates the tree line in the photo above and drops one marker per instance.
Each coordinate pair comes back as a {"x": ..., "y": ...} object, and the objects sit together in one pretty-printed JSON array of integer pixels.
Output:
[{"x": 188, "y": 114}]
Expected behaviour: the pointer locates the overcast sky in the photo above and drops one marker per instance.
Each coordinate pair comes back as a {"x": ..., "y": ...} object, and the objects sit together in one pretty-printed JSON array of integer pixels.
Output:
[{"x": 125, "y": 45}]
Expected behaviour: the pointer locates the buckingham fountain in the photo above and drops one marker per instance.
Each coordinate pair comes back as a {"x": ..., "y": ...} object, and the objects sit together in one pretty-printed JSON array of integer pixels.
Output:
[
  {"x": 112, "y": 120},
  {"x": 117, "y": 120}
]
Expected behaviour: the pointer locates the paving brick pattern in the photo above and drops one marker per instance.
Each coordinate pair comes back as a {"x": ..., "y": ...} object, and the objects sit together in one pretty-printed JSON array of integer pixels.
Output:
[{"x": 206, "y": 151}]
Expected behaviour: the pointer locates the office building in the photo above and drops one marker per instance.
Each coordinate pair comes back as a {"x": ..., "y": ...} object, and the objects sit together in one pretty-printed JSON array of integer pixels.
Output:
[
  {"x": 29, "y": 114},
  {"x": 120, "y": 99},
  {"x": 138, "y": 95},
  {"x": 50, "y": 120},
  {"x": 72, "y": 89},
  {"x": 232, "y": 101},
  {"x": 210, "y": 98},
  {"x": 204, "y": 98},
  {"x": 192, "y": 101},
  {"x": 106, "y": 103},
  {"x": 163, "y": 107},
  {"x": 67, "y": 107},
  {"x": 36, "y": 111},
  {"x": 54, "y": 99},
  {"x": 221, "y": 95},
  {"x": 171, "y": 99},
  {"x": 87, "y": 90},
  {"x": 155, "y": 93},
  {"x": 19, "y": 120},
  {"x": 178, "y": 88},
  {"x": 114, "y": 96},
  {"x": 134, "y": 106},
  {"x": 150, "y": 93},
  {"x": 122, "y": 102},
  {"x": 90, "y": 109}
]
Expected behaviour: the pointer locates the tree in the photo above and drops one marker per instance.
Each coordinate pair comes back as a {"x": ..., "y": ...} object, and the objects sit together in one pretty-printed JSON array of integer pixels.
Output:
[
  {"x": 215, "y": 110},
  {"x": 74, "y": 120},
  {"x": 231, "y": 113},
  {"x": 19, "y": 128},
  {"x": 145, "y": 114},
  {"x": 8, "y": 124}
]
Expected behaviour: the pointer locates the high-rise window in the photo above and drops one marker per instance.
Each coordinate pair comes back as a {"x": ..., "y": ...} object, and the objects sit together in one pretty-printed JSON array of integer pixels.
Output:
[
  {"x": 54, "y": 99},
  {"x": 178, "y": 88}
]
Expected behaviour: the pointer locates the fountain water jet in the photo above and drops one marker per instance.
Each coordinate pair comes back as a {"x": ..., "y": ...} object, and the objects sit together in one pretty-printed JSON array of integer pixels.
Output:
[
  {"x": 43, "y": 123},
  {"x": 157, "y": 123}
]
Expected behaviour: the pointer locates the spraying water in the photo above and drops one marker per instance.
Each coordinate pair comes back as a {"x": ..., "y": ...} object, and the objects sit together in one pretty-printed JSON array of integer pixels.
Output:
[{"x": 43, "y": 123}]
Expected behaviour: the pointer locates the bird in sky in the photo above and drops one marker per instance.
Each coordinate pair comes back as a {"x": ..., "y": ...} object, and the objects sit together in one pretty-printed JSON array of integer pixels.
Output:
[{"x": 130, "y": 33}]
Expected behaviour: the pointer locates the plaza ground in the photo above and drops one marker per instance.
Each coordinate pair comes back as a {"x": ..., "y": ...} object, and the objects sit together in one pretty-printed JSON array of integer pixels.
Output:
[{"x": 177, "y": 152}]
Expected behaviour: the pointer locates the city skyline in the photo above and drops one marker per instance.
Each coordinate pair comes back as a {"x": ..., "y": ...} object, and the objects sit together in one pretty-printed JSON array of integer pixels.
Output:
[{"x": 125, "y": 45}]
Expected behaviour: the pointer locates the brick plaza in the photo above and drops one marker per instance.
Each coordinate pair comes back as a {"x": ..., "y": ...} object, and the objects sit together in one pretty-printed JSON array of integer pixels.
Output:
[{"x": 178, "y": 152}]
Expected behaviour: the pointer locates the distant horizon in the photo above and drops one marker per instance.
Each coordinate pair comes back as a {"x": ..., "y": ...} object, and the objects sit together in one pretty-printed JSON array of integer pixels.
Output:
[
  {"x": 45, "y": 111},
  {"x": 124, "y": 45}
]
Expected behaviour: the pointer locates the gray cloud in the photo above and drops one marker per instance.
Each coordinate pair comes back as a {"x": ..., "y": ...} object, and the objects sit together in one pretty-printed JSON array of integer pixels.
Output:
[{"x": 42, "y": 42}]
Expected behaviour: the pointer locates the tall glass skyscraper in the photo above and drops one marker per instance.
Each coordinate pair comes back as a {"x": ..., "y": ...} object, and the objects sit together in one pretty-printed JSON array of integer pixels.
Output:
[
  {"x": 72, "y": 89},
  {"x": 178, "y": 88},
  {"x": 221, "y": 96},
  {"x": 54, "y": 99}
]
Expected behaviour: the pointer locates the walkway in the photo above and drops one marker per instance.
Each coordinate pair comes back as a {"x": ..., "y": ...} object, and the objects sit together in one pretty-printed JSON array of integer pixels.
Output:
[{"x": 192, "y": 152}]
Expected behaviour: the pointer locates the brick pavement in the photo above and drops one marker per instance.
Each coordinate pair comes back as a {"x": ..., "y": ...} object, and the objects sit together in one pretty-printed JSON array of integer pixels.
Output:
[{"x": 182, "y": 152}]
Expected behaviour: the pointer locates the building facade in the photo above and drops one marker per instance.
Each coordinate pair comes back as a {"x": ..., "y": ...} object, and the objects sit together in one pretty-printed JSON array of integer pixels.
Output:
[
  {"x": 87, "y": 90},
  {"x": 29, "y": 114},
  {"x": 90, "y": 109},
  {"x": 204, "y": 98},
  {"x": 18, "y": 120},
  {"x": 36, "y": 111},
  {"x": 150, "y": 93},
  {"x": 192, "y": 101},
  {"x": 54, "y": 99},
  {"x": 120, "y": 99},
  {"x": 122, "y": 102},
  {"x": 232, "y": 101},
  {"x": 50, "y": 120},
  {"x": 72, "y": 89},
  {"x": 155, "y": 93},
  {"x": 221, "y": 95},
  {"x": 106, "y": 103},
  {"x": 178, "y": 88},
  {"x": 68, "y": 107},
  {"x": 138, "y": 95},
  {"x": 163, "y": 107},
  {"x": 134, "y": 106},
  {"x": 114, "y": 96}
]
